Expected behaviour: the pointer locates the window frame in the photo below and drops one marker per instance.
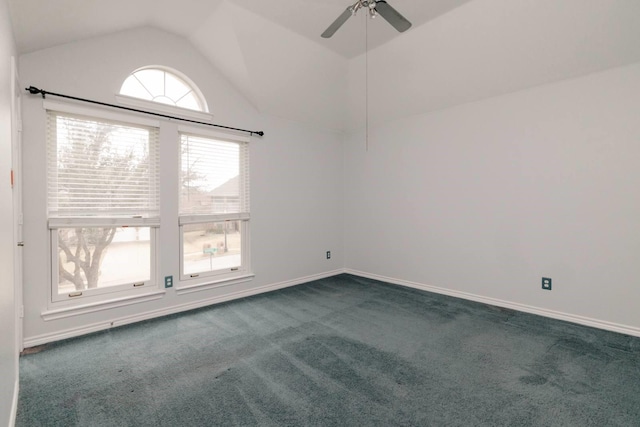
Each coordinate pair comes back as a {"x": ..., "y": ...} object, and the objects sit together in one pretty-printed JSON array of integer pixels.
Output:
[
  {"x": 219, "y": 275},
  {"x": 201, "y": 113},
  {"x": 100, "y": 294},
  {"x": 227, "y": 275},
  {"x": 157, "y": 107},
  {"x": 54, "y": 222}
]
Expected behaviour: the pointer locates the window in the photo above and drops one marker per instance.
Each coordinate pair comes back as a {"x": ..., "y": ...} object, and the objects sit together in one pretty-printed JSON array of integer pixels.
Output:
[
  {"x": 164, "y": 87},
  {"x": 103, "y": 205},
  {"x": 103, "y": 192},
  {"x": 214, "y": 206}
]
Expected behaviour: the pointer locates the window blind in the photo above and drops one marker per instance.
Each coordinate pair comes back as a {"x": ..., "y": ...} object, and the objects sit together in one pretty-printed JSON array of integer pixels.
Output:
[
  {"x": 214, "y": 178},
  {"x": 102, "y": 168}
]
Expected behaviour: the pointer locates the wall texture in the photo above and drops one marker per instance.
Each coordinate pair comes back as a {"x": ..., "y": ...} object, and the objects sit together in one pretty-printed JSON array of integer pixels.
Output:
[
  {"x": 488, "y": 197},
  {"x": 296, "y": 177},
  {"x": 8, "y": 343}
]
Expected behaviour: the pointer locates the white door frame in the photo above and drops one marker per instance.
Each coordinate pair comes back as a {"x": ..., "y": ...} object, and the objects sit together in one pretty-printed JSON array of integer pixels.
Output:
[{"x": 16, "y": 178}]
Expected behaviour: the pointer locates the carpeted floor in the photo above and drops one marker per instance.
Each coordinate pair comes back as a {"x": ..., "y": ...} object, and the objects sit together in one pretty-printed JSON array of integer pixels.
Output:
[{"x": 342, "y": 351}]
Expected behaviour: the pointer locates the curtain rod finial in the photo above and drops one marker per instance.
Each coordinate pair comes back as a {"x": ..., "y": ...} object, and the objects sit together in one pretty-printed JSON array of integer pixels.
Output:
[
  {"x": 34, "y": 90},
  {"x": 260, "y": 133}
]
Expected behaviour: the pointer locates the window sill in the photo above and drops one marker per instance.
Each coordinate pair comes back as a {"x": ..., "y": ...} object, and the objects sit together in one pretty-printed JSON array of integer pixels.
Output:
[
  {"x": 187, "y": 289},
  {"x": 76, "y": 310}
]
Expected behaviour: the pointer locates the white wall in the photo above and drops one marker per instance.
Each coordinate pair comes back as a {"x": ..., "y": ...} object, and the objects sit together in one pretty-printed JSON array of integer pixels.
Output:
[
  {"x": 296, "y": 177},
  {"x": 8, "y": 348},
  {"x": 486, "y": 198},
  {"x": 283, "y": 73}
]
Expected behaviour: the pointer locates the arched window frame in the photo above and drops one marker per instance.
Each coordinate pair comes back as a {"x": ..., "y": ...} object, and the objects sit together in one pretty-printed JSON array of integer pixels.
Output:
[{"x": 203, "y": 115}]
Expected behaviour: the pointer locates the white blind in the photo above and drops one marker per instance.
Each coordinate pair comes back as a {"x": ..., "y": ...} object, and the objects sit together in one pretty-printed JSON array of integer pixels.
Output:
[
  {"x": 214, "y": 177},
  {"x": 100, "y": 167}
]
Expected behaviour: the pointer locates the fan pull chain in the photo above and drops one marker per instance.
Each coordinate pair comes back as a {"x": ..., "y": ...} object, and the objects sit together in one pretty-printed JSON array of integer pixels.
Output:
[{"x": 366, "y": 81}]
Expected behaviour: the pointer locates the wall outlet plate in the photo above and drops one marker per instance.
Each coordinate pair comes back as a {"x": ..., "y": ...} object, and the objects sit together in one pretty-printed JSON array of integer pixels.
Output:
[
  {"x": 546, "y": 283},
  {"x": 168, "y": 281}
]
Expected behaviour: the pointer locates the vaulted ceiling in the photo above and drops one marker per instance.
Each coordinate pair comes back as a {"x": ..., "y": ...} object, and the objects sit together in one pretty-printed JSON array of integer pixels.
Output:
[{"x": 457, "y": 50}]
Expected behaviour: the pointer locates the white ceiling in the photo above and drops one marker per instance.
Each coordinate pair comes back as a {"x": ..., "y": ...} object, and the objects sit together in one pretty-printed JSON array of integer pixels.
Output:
[
  {"x": 457, "y": 50},
  {"x": 41, "y": 24}
]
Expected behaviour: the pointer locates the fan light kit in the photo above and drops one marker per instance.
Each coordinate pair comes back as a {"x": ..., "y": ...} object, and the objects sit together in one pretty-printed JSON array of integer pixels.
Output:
[{"x": 373, "y": 8}]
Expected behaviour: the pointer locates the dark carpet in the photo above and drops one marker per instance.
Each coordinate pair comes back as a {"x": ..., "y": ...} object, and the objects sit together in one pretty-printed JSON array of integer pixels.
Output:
[{"x": 342, "y": 351}]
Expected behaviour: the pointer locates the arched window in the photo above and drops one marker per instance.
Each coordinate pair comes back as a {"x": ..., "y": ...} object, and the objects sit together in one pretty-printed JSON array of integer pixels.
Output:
[{"x": 165, "y": 87}]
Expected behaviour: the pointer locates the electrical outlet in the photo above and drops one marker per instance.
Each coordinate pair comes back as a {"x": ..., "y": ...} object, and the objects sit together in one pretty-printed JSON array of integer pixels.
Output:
[
  {"x": 168, "y": 281},
  {"x": 328, "y": 254},
  {"x": 546, "y": 283}
]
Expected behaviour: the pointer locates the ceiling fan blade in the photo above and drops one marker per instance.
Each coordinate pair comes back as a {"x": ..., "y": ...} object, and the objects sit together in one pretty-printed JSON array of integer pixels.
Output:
[
  {"x": 337, "y": 23},
  {"x": 392, "y": 16}
]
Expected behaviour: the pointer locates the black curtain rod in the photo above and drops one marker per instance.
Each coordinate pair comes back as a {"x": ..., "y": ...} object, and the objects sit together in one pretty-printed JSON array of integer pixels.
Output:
[{"x": 34, "y": 91}]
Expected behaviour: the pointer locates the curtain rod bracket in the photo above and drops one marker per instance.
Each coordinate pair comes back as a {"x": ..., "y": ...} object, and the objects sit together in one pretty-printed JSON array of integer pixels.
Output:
[{"x": 34, "y": 91}]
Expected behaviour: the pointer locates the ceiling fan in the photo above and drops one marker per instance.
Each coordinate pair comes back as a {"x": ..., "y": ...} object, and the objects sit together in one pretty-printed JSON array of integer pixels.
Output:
[{"x": 374, "y": 8}]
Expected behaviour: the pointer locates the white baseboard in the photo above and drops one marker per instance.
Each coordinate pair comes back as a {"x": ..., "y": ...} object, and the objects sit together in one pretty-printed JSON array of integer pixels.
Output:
[
  {"x": 581, "y": 320},
  {"x": 85, "y": 329},
  {"x": 14, "y": 403},
  {"x": 100, "y": 326}
]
